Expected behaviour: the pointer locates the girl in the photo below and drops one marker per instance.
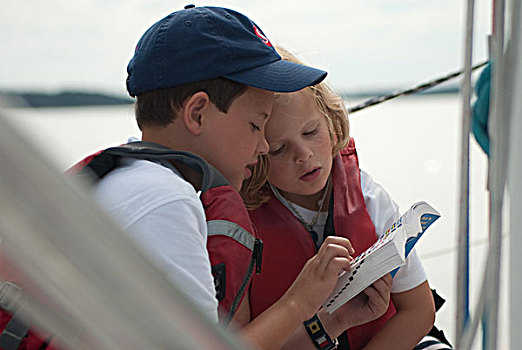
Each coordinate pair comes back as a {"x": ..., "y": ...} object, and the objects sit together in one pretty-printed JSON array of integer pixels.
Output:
[{"x": 310, "y": 187}]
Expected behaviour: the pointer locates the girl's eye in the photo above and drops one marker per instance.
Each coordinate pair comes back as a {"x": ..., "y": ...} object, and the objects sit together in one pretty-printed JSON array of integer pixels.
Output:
[
  {"x": 277, "y": 151},
  {"x": 255, "y": 127},
  {"x": 311, "y": 132}
]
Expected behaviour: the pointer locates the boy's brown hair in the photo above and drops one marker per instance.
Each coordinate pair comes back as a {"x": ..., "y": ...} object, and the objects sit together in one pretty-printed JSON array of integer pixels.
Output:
[
  {"x": 159, "y": 107},
  {"x": 331, "y": 106}
]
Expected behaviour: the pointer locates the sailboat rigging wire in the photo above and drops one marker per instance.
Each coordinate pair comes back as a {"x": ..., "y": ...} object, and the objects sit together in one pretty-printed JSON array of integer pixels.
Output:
[
  {"x": 462, "y": 281},
  {"x": 417, "y": 88},
  {"x": 514, "y": 87},
  {"x": 466, "y": 342},
  {"x": 499, "y": 122}
]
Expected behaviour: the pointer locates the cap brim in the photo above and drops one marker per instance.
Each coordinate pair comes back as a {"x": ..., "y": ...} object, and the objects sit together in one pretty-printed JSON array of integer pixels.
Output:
[{"x": 279, "y": 76}]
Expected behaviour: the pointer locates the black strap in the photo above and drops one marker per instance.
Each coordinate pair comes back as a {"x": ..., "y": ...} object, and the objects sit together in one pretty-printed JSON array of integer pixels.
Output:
[
  {"x": 344, "y": 344},
  {"x": 13, "y": 333},
  {"x": 329, "y": 228},
  {"x": 111, "y": 158},
  {"x": 435, "y": 332},
  {"x": 255, "y": 262},
  {"x": 439, "y": 301},
  {"x": 11, "y": 297}
]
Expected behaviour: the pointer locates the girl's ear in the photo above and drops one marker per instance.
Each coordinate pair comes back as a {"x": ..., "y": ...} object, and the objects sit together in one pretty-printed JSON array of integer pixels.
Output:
[
  {"x": 334, "y": 138},
  {"x": 191, "y": 112}
]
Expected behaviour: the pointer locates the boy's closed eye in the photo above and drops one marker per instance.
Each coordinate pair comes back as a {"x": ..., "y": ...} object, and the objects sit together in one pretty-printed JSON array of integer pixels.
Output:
[
  {"x": 276, "y": 150},
  {"x": 255, "y": 127}
]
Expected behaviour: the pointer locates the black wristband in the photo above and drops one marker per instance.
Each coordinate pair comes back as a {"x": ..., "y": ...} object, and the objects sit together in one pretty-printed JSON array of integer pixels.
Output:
[{"x": 320, "y": 338}]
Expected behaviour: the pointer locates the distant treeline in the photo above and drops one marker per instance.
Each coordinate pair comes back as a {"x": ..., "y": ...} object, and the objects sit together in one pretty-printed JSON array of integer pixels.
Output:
[
  {"x": 61, "y": 99},
  {"x": 78, "y": 98}
]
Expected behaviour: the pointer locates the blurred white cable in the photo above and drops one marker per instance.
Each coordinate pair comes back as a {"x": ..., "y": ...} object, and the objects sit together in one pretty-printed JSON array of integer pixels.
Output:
[{"x": 85, "y": 281}]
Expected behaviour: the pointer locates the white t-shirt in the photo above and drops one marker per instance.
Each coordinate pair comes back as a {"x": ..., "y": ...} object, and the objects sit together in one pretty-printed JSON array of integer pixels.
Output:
[
  {"x": 383, "y": 212},
  {"x": 163, "y": 215}
]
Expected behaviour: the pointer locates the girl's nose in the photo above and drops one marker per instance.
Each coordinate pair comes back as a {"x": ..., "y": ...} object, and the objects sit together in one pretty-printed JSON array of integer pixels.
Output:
[{"x": 303, "y": 154}]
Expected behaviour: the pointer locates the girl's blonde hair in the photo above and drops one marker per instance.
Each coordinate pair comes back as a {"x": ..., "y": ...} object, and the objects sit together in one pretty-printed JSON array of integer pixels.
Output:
[{"x": 331, "y": 106}]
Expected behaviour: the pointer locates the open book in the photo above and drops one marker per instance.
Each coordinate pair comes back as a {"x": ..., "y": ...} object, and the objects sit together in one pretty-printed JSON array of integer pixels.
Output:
[{"x": 386, "y": 255}]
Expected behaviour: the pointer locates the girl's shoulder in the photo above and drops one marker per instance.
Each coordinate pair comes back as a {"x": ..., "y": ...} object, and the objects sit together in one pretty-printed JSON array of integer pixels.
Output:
[{"x": 383, "y": 210}]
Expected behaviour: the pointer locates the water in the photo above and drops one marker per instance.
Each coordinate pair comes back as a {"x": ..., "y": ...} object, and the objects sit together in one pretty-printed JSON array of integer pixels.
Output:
[
  {"x": 410, "y": 145},
  {"x": 69, "y": 134}
]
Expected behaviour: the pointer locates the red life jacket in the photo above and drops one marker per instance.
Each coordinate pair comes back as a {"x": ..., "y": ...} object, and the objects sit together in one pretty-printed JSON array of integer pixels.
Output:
[
  {"x": 233, "y": 248},
  {"x": 288, "y": 245}
]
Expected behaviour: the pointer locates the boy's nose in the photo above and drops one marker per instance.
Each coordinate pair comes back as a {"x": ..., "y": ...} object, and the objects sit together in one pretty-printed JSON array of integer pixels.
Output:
[{"x": 262, "y": 146}]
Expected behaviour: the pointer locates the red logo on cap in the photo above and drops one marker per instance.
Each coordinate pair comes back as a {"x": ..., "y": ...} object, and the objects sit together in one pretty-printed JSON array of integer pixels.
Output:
[{"x": 263, "y": 38}]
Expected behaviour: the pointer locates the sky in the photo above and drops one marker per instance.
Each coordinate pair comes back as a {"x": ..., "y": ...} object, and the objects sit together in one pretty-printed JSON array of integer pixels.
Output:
[{"x": 54, "y": 45}]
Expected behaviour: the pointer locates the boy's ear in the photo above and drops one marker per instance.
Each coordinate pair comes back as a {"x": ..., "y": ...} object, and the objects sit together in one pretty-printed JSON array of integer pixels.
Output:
[{"x": 191, "y": 113}]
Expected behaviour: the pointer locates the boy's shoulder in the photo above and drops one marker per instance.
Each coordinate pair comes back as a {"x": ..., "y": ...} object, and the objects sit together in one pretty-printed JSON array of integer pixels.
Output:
[{"x": 145, "y": 181}]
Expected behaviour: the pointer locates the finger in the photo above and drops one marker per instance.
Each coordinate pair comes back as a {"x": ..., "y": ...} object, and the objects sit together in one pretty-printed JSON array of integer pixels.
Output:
[
  {"x": 345, "y": 242},
  {"x": 380, "y": 288},
  {"x": 330, "y": 252},
  {"x": 376, "y": 297},
  {"x": 335, "y": 265},
  {"x": 385, "y": 281}
]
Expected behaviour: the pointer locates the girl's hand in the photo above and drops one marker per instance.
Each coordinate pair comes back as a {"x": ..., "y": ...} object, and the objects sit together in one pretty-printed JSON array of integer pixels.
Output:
[
  {"x": 370, "y": 304},
  {"x": 318, "y": 277}
]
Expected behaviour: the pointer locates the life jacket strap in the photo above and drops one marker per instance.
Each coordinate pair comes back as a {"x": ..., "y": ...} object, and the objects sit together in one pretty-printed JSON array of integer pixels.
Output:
[
  {"x": 255, "y": 261},
  {"x": 13, "y": 333},
  {"x": 11, "y": 297},
  {"x": 231, "y": 230},
  {"x": 242, "y": 236}
]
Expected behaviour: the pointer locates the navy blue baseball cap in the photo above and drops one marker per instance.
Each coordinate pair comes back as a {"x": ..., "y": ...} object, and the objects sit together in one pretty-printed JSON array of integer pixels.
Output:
[{"x": 202, "y": 43}]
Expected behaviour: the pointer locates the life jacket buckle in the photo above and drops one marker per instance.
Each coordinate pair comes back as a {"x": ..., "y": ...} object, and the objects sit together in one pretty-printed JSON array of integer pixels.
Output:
[{"x": 11, "y": 296}]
